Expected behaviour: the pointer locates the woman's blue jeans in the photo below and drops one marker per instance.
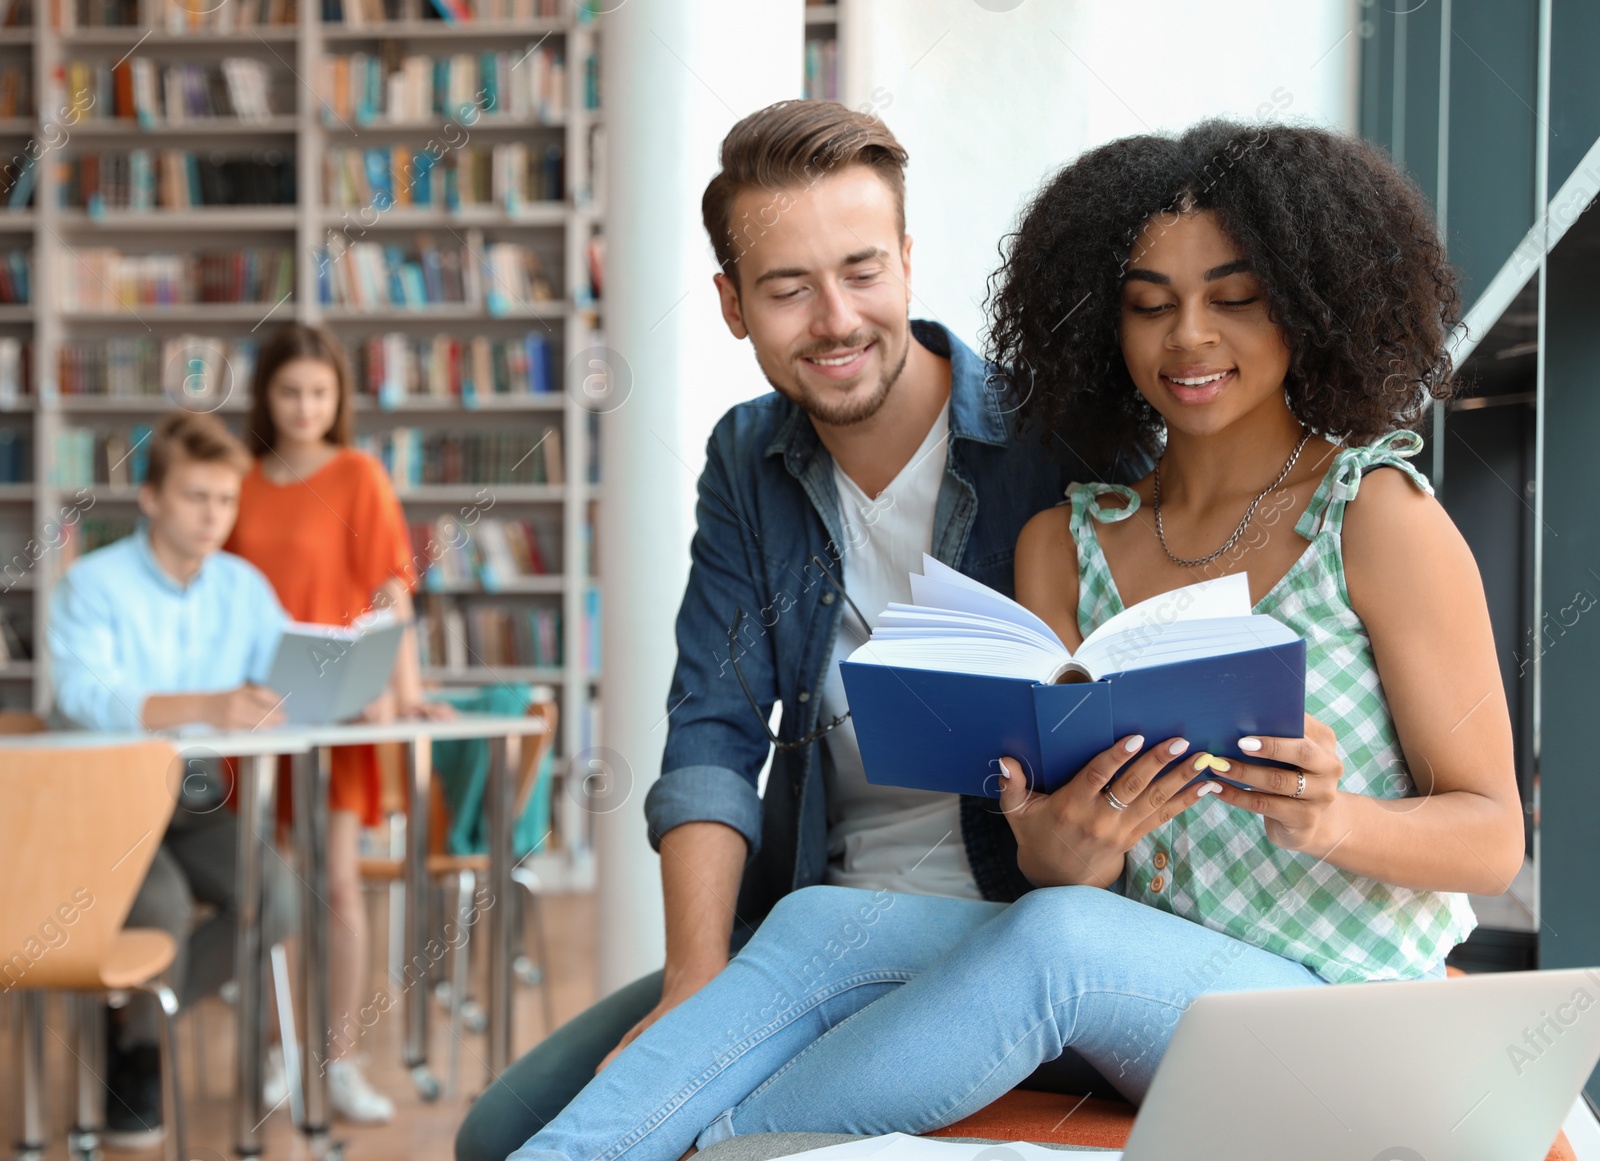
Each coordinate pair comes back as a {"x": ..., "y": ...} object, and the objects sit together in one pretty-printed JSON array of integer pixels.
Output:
[{"x": 855, "y": 1011}]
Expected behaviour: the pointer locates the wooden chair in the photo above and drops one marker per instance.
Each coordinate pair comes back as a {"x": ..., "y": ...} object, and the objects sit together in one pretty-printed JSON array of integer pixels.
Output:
[
  {"x": 463, "y": 871},
  {"x": 1051, "y": 1118},
  {"x": 80, "y": 830}
]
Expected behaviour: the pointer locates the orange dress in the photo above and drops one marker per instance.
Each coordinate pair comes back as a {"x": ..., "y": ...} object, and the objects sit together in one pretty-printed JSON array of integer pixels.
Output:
[{"x": 328, "y": 543}]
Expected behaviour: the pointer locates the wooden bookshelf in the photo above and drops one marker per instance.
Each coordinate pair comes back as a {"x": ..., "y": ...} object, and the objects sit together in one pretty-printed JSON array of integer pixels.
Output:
[{"x": 299, "y": 129}]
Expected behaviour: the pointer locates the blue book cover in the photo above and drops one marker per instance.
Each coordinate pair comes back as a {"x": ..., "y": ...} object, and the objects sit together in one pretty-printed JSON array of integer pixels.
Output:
[
  {"x": 378, "y": 177},
  {"x": 422, "y": 178},
  {"x": 964, "y": 676},
  {"x": 539, "y": 379},
  {"x": 394, "y": 259},
  {"x": 934, "y": 730}
]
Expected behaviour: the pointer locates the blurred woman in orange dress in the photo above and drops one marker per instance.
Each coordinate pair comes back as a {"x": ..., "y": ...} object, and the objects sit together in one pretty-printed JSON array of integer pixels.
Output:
[{"x": 322, "y": 521}]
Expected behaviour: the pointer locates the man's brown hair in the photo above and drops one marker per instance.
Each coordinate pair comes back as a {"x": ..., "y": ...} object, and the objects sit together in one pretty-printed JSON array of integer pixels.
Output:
[
  {"x": 791, "y": 145},
  {"x": 298, "y": 341},
  {"x": 194, "y": 436}
]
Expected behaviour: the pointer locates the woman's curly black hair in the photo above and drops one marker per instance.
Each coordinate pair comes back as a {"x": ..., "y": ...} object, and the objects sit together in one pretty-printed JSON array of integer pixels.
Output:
[{"x": 1343, "y": 244}]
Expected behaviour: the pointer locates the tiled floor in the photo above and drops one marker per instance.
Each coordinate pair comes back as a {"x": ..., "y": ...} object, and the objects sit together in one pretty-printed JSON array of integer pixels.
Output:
[{"x": 420, "y": 1131}]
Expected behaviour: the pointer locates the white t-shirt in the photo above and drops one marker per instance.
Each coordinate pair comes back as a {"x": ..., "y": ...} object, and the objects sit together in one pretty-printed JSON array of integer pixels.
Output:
[{"x": 884, "y": 836}]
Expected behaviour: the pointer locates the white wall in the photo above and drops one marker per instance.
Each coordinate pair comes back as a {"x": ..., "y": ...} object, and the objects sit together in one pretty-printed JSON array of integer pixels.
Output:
[
  {"x": 677, "y": 76},
  {"x": 990, "y": 97}
]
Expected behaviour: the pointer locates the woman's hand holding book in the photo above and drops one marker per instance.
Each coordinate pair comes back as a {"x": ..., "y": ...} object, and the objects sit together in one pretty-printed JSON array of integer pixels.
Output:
[
  {"x": 1080, "y": 834},
  {"x": 1302, "y": 806}
]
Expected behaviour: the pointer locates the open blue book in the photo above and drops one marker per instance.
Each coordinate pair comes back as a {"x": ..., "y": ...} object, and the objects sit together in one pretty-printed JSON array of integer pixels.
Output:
[{"x": 948, "y": 685}]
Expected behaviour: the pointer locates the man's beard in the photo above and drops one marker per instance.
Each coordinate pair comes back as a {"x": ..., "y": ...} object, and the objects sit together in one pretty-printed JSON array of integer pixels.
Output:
[{"x": 849, "y": 411}]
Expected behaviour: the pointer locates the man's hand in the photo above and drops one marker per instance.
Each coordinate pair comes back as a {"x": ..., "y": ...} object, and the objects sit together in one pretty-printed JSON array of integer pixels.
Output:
[
  {"x": 671, "y": 997},
  {"x": 1082, "y": 833},
  {"x": 249, "y": 707}
]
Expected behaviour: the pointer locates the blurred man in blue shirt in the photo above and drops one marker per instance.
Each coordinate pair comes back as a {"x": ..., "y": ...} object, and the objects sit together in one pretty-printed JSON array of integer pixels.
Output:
[{"x": 159, "y": 630}]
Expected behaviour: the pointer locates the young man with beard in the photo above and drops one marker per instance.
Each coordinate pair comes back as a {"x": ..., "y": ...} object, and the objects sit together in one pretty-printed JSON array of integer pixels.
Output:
[{"x": 885, "y": 438}]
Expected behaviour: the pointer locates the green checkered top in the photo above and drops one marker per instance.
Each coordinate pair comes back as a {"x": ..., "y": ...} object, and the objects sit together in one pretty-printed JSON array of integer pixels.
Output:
[{"x": 1213, "y": 864}]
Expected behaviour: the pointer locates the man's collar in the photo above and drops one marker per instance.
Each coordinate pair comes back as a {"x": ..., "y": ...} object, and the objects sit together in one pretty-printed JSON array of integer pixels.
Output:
[
  {"x": 148, "y": 556},
  {"x": 973, "y": 411}
]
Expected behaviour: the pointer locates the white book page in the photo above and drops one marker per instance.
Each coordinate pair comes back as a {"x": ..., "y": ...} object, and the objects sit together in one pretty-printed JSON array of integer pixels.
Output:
[
  {"x": 1227, "y": 596},
  {"x": 990, "y": 657},
  {"x": 942, "y": 587},
  {"x": 940, "y": 619}
]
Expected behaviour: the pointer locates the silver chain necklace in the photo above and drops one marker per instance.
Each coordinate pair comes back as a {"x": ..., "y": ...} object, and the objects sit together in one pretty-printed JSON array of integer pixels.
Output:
[{"x": 1243, "y": 524}]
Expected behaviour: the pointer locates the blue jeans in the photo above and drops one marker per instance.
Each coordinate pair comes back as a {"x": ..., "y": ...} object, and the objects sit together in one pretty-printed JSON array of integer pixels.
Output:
[{"x": 855, "y": 1011}]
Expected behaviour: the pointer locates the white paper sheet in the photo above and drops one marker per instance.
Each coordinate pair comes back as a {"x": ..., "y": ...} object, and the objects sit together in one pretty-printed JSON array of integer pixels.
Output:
[{"x": 902, "y": 1147}]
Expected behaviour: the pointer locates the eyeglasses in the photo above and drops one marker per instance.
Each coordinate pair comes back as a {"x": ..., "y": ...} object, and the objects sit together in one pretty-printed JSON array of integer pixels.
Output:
[{"x": 755, "y": 708}]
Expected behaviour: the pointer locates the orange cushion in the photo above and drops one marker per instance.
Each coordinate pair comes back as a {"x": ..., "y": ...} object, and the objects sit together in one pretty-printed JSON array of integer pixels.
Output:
[{"x": 1050, "y": 1118}]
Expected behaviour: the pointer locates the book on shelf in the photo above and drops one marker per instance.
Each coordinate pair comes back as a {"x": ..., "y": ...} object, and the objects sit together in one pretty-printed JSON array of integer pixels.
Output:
[
  {"x": 116, "y": 457},
  {"x": 467, "y": 11},
  {"x": 415, "y": 457},
  {"x": 368, "y": 276},
  {"x": 105, "y": 279},
  {"x": 183, "y": 368},
  {"x": 16, "y": 456},
  {"x": 965, "y": 675},
  {"x": 494, "y": 553},
  {"x": 172, "y": 15},
  {"x": 396, "y": 366},
  {"x": 590, "y": 638},
  {"x": 16, "y": 89},
  {"x": 16, "y": 277},
  {"x": 390, "y": 177},
  {"x": 16, "y": 13},
  {"x": 360, "y": 88},
  {"x": 16, "y": 372},
  {"x": 16, "y": 636},
  {"x": 141, "y": 90},
  {"x": 513, "y": 279},
  {"x": 822, "y": 68},
  {"x": 17, "y": 184},
  {"x": 471, "y": 633},
  {"x": 149, "y": 179}
]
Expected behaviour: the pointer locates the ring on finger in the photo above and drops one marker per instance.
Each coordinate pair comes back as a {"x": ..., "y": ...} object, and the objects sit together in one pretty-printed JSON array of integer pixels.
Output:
[
  {"x": 1299, "y": 789},
  {"x": 1113, "y": 801}
]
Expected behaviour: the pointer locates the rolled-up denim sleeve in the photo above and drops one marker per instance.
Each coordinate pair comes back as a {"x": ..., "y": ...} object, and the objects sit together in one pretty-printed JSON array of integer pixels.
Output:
[
  {"x": 716, "y": 744},
  {"x": 703, "y": 794}
]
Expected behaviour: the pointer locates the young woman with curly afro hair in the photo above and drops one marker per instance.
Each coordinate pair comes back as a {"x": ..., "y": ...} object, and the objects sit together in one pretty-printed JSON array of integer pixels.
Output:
[{"x": 1264, "y": 308}]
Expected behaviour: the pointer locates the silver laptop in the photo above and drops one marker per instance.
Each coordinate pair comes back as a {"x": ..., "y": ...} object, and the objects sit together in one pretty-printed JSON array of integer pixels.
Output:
[
  {"x": 1477, "y": 1069},
  {"x": 329, "y": 674}
]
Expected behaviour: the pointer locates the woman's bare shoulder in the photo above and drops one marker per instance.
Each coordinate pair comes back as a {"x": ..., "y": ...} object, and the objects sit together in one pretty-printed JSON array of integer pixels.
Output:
[{"x": 1047, "y": 571}]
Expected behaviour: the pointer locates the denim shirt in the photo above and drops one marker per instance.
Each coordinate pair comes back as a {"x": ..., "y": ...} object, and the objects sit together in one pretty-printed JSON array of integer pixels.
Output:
[{"x": 767, "y": 504}]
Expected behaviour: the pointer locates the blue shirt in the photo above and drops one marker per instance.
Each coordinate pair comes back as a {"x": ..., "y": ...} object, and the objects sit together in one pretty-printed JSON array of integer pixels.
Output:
[
  {"x": 122, "y": 629},
  {"x": 767, "y": 504}
]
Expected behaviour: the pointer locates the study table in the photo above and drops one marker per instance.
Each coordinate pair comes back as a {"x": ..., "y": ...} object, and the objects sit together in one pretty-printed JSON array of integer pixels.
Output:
[{"x": 308, "y": 748}]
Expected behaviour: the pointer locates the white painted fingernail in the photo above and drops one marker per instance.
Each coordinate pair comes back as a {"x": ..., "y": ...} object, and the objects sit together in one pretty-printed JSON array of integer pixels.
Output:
[
  {"x": 1208, "y": 788},
  {"x": 1177, "y": 747},
  {"x": 1250, "y": 745},
  {"x": 1132, "y": 744}
]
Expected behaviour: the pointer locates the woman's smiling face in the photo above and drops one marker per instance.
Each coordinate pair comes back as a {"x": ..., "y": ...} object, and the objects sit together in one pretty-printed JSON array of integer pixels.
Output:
[{"x": 1196, "y": 333}]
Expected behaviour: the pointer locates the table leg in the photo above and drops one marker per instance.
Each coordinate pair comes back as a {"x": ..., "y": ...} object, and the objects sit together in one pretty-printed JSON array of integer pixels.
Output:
[
  {"x": 312, "y": 772},
  {"x": 505, "y": 756},
  {"x": 254, "y": 798},
  {"x": 414, "y": 971}
]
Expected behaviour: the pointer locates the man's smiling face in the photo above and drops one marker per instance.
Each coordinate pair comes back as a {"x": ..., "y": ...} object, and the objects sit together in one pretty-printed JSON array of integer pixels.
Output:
[{"x": 824, "y": 292}]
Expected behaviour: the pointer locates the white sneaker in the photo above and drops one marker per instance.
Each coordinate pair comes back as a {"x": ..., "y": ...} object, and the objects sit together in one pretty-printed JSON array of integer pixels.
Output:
[
  {"x": 274, "y": 1080},
  {"x": 353, "y": 1098}
]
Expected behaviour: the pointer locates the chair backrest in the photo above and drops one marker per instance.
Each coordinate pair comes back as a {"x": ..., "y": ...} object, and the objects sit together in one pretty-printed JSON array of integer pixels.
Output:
[
  {"x": 79, "y": 830},
  {"x": 534, "y": 749},
  {"x": 21, "y": 722}
]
